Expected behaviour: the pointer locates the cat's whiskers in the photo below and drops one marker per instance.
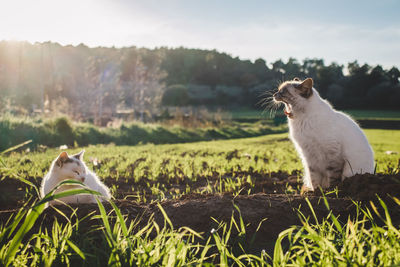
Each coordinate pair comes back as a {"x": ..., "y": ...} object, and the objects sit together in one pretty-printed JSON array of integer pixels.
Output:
[
  {"x": 264, "y": 97},
  {"x": 273, "y": 107},
  {"x": 270, "y": 104}
]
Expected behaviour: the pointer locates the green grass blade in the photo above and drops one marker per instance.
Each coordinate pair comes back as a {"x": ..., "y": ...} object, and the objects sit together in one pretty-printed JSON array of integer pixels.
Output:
[
  {"x": 166, "y": 218},
  {"x": 121, "y": 221},
  {"x": 76, "y": 249},
  {"x": 29, "y": 221},
  {"x": 106, "y": 223},
  {"x": 15, "y": 147}
]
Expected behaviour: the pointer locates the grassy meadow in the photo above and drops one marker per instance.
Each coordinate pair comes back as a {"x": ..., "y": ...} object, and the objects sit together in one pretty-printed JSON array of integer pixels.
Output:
[
  {"x": 52, "y": 132},
  {"x": 358, "y": 114},
  {"x": 265, "y": 154},
  {"x": 151, "y": 173}
]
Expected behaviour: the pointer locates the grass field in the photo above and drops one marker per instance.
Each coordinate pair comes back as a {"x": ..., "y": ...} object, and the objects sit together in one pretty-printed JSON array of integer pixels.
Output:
[
  {"x": 270, "y": 153},
  {"x": 375, "y": 114},
  {"x": 148, "y": 174},
  {"x": 59, "y": 131},
  {"x": 356, "y": 114}
]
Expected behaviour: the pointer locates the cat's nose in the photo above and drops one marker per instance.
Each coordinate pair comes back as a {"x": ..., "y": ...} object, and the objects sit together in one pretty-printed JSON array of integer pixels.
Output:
[{"x": 82, "y": 178}]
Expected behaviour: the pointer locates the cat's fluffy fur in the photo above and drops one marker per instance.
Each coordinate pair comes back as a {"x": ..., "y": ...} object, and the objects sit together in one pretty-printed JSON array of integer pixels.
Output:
[
  {"x": 66, "y": 167},
  {"x": 331, "y": 145}
]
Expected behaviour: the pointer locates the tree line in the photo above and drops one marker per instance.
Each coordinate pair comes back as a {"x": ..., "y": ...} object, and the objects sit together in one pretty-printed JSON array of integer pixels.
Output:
[{"x": 98, "y": 82}]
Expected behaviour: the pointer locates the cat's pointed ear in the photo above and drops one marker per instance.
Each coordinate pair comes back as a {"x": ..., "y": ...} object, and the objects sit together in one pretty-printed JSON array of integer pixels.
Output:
[
  {"x": 306, "y": 88},
  {"x": 62, "y": 158},
  {"x": 79, "y": 155},
  {"x": 307, "y": 83}
]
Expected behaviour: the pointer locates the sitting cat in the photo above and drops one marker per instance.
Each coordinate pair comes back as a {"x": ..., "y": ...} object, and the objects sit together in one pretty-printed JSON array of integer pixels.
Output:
[
  {"x": 66, "y": 167},
  {"x": 331, "y": 145}
]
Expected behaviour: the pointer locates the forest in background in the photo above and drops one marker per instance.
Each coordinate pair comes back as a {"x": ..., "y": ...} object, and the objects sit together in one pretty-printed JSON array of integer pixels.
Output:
[{"x": 92, "y": 84}]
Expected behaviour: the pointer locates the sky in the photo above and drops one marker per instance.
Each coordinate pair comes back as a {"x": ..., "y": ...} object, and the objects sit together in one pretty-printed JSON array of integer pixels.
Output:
[{"x": 338, "y": 31}]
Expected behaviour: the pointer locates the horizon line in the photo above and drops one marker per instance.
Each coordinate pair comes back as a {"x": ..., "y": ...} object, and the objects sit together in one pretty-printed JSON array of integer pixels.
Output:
[{"x": 344, "y": 65}]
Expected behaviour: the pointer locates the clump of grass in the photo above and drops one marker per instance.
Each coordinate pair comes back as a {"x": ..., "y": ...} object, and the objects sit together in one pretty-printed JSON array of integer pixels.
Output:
[
  {"x": 233, "y": 243},
  {"x": 12, "y": 234},
  {"x": 328, "y": 242}
]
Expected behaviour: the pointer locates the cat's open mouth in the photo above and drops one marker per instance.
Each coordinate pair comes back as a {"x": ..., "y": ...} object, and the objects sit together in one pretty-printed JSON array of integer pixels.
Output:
[{"x": 288, "y": 111}]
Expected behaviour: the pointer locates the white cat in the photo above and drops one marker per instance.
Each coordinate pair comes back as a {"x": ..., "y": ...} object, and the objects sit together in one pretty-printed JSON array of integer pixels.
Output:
[
  {"x": 66, "y": 167},
  {"x": 331, "y": 145}
]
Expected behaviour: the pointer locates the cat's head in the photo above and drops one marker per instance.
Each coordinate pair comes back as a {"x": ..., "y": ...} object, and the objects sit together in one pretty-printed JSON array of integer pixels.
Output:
[
  {"x": 294, "y": 94},
  {"x": 70, "y": 167}
]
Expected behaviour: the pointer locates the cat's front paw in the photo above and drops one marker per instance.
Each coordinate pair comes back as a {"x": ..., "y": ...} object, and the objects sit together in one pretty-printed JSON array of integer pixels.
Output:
[{"x": 305, "y": 190}]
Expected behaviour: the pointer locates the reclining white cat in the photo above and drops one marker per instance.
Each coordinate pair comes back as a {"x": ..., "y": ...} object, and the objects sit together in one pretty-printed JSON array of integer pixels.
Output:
[
  {"x": 331, "y": 145},
  {"x": 66, "y": 167}
]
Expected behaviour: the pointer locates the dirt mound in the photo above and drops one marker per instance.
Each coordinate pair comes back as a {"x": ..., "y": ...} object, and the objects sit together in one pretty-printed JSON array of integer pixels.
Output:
[
  {"x": 275, "y": 212},
  {"x": 272, "y": 203},
  {"x": 367, "y": 186}
]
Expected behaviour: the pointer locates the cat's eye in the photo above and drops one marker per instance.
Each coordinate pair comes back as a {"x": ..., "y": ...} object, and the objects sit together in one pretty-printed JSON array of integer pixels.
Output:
[{"x": 76, "y": 172}]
